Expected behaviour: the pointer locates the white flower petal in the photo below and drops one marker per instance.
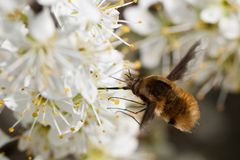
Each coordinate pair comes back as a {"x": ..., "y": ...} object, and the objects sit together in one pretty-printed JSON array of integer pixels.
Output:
[
  {"x": 211, "y": 15},
  {"x": 151, "y": 51},
  {"x": 42, "y": 26},
  {"x": 15, "y": 32},
  {"x": 8, "y": 6},
  {"x": 147, "y": 3},
  {"x": 38, "y": 158},
  {"x": 10, "y": 103},
  {"x": 47, "y": 2},
  {"x": 4, "y": 138},
  {"x": 141, "y": 21},
  {"x": 179, "y": 12},
  {"x": 128, "y": 146},
  {"x": 230, "y": 27},
  {"x": 125, "y": 137},
  {"x": 87, "y": 12},
  {"x": 85, "y": 85},
  {"x": 196, "y": 3}
]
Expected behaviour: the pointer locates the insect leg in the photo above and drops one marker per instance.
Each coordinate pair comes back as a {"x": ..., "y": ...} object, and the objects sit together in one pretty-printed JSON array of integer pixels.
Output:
[
  {"x": 149, "y": 114},
  {"x": 144, "y": 109},
  {"x": 127, "y": 110},
  {"x": 129, "y": 72},
  {"x": 130, "y": 116},
  {"x": 126, "y": 100},
  {"x": 128, "y": 76},
  {"x": 117, "y": 79}
]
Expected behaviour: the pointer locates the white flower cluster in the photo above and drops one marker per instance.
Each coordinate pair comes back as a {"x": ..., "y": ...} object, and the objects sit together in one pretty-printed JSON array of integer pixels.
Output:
[
  {"x": 54, "y": 54},
  {"x": 168, "y": 24}
]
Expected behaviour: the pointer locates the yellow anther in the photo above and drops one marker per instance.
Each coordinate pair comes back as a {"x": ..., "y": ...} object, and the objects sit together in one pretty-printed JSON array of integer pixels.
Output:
[
  {"x": 165, "y": 30},
  {"x": 116, "y": 101},
  {"x": 61, "y": 136},
  {"x": 81, "y": 49},
  {"x": 74, "y": 12},
  {"x": 125, "y": 29},
  {"x": 11, "y": 130},
  {"x": 137, "y": 64},
  {"x": 77, "y": 105},
  {"x": 132, "y": 46},
  {"x": 34, "y": 114},
  {"x": 66, "y": 90},
  {"x": 86, "y": 123},
  {"x": 1, "y": 103},
  {"x": 72, "y": 129},
  {"x": 35, "y": 101},
  {"x": 43, "y": 110}
]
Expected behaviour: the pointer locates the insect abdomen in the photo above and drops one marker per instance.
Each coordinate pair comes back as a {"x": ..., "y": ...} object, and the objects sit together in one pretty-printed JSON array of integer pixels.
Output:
[{"x": 181, "y": 111}]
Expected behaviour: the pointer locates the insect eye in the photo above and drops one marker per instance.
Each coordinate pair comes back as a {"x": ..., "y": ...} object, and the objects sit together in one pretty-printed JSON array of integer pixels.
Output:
[{"x": 172, "y": 121}]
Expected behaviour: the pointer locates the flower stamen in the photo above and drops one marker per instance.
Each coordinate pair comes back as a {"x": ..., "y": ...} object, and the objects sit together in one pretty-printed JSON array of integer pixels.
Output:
[
  {"x": 31, "y": 129},
  {"x": 96, "y": 115},
  {"x": 60, "y": 135},
  {"x": 116, "y": 36}
]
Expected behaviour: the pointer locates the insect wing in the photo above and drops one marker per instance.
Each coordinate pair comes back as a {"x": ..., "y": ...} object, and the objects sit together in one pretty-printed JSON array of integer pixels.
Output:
[{"x": 181, "y": 68}]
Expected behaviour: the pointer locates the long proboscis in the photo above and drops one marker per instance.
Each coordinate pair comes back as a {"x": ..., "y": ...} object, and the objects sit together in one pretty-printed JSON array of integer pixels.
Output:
[{"x": 114, "y": 88}]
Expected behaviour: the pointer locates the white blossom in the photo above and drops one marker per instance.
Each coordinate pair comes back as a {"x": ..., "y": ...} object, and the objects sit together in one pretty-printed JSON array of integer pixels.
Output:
[{"x": 54, "y": 57}]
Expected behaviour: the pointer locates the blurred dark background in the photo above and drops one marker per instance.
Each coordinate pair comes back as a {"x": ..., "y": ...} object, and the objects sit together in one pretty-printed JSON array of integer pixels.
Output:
[{"x": 217, "y": 137}]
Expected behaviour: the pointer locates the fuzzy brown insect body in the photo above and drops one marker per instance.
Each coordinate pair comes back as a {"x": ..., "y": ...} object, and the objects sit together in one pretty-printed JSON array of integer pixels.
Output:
[{"x": 165, "y": 99}]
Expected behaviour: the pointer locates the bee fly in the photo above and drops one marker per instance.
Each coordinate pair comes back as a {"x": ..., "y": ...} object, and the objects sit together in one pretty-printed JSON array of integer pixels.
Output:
[{"x": 163, "y": 98}]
